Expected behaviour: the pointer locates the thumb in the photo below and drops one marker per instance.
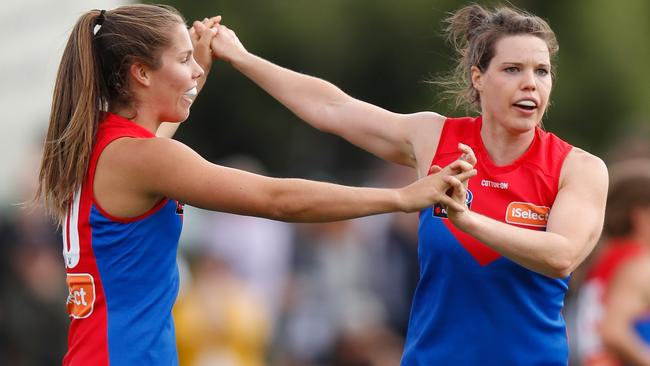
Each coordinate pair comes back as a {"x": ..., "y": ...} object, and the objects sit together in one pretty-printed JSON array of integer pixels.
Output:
[{"x": 435, "y": 169}]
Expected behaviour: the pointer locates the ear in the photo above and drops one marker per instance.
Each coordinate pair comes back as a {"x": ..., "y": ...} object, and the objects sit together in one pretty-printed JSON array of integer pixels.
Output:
[
  {"x": 477, "y": 78},
  {"x": 140, "y": 73}
]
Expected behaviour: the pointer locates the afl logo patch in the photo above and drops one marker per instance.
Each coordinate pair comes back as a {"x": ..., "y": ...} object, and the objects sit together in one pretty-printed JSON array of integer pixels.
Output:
[
  {"x": 180, "y": 208},
  {"x": 439, "y": 211}
]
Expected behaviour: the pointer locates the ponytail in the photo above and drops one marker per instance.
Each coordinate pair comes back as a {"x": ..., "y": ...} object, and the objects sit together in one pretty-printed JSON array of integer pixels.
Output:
[
  {"x": 94, "y": 76},
  {"x": 79, "y": 92}
]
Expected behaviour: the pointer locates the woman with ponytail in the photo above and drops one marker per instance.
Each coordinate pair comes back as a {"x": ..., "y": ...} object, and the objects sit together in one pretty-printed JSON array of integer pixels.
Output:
[
  {"x": 117, "y": 190},
  {"x": 492, "y": 276}
]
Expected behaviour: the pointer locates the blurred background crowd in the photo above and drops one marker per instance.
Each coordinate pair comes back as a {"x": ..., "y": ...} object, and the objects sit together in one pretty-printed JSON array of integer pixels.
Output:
[{"x": 259, "y": 292}]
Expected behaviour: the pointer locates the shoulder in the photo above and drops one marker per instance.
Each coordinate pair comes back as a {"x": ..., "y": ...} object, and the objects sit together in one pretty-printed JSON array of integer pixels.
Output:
[
  {"x": 635, "y": 272},
  {"x": 152, "y": 154},
  {"x": 581, "y": 167},
  {"x": 424, "y": 133},
  {"x": 425, "y": 119}
]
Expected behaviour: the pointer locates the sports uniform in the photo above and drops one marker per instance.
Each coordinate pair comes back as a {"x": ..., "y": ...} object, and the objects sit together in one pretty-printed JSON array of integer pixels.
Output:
[
  {"x": 592, "y": 298},
  {"x": 472, "y": 306},
  {"x": 121, "y": 273}
]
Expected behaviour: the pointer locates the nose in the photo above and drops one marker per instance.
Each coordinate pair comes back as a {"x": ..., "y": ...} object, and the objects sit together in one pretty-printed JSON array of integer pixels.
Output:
[
  {"x": 198, "y": 70},
  {"x": 528, "y": 81}
]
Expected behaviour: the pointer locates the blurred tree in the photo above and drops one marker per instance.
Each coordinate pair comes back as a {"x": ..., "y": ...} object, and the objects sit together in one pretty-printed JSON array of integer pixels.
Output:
[{"x": 384, "y": 51}]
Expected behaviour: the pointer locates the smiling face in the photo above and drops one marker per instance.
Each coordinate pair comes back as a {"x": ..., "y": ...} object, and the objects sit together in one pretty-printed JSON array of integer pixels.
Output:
[
  {"x": 172, "y": 87},
  {"x": 515, "y": 89}
]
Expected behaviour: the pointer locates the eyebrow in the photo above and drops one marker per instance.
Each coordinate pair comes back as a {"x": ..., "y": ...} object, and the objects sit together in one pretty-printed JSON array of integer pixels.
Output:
[{"x": 521, "y": 64}]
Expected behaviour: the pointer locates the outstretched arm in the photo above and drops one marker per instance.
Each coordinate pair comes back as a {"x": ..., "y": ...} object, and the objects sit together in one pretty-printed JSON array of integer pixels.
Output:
[
  {"x": 573, "y": 228},
  {"x": 185, "y": 176},
  {"x": 390, "y": 136}
]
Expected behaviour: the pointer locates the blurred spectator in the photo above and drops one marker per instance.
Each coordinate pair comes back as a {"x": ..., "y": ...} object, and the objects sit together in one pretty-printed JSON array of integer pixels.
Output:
[
  {"x": 392, "y": 240},
  {"x": 258, "y": 250},
  {"x": 33, "y": 321},
  {"x": 33, "y": 294},
  {"x": 331, "y": 293},
  {"x": 219, "y": 320},
  {"x": 250, "y": 253},
  {"x": 613, "y": 322}
]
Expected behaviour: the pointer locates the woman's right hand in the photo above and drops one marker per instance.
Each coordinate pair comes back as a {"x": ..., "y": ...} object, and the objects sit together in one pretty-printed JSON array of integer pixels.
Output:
[
  {"x": 225, "y": 45},
  {"x": 432, "y": 188}
]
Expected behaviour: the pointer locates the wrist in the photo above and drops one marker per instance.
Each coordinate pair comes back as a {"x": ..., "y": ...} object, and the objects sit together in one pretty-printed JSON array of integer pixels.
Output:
[
  {"x": 399, "y": 200},
  {"x": 465, "y": 221},
  {"x": 241, "y": 60}
]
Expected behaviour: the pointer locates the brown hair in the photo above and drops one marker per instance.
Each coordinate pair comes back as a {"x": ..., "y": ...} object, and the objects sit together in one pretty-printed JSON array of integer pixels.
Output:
[
  {"x": 473, "y": 31},
  {"x": 93, "y": 77},
  {"x": 628, "y": 190}
]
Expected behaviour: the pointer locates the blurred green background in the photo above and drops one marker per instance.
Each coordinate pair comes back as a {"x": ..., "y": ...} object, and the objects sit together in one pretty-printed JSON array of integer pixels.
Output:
[{"x": 385, "y": 51}]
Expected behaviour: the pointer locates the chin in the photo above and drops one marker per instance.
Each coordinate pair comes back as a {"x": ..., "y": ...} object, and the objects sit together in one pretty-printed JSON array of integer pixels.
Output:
[{"x": 177, "y": 117}]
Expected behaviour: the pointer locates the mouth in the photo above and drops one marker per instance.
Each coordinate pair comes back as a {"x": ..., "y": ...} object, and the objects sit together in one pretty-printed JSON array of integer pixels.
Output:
[
  {"x": 526, "y": 104},
  {"x": 191, "y": 92}
]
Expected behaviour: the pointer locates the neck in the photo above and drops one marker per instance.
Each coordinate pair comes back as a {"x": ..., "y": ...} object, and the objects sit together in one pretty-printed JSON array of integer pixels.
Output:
[
  {"x": 504, "y": 146},
  {"x": 139, "y": 116}
]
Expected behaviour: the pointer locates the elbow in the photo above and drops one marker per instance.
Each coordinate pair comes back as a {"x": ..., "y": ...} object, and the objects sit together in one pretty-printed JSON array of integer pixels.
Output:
[
  {"x": 279, "y": 211},
  {"x": 561, "y": 267},
  {"x": 561, "y": 263},
  {"x": 283, "y": 208}
]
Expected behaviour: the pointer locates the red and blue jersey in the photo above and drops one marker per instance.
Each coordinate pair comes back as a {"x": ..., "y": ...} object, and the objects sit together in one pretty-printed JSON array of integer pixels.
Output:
[
  {"x": 473, "y": 306},
  {"x": 122, "y": 274},
  {"x": 592, "y": 299}
]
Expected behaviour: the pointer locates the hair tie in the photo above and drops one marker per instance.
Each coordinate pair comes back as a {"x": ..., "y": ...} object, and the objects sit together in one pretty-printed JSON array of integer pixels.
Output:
[{"x": 99, "y": 21}]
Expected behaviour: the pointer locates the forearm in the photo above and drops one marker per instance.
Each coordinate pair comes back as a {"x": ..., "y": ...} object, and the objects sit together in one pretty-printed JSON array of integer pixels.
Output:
[
  {"x": 543, "y": 252},
  {"x": 299, "y": 200},
  {"x": 628, "y": 347},
  {"x": 310, "y": 98}
]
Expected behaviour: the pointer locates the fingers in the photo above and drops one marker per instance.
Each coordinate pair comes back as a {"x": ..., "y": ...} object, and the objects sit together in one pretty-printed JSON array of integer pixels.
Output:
[
  {"x": 212, "y": 21},
  {"x": 456, "y": 185},
  {"x": 450, "y": 204},
  {"x": 198, "y": 27},
  {"x": 206, "y": 33},
  {"x": 464, "y": 176},
  {"x": 468, "y": 154},
  {"x": 460, "y": 166}
]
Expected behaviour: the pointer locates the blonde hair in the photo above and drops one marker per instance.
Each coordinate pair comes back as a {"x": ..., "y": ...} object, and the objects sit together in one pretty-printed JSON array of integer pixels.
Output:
[{"x": 92, "y": 77}]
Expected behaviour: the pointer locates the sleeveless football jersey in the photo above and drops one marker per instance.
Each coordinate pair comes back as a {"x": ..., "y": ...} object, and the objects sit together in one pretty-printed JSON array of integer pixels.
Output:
[
  {"x": 591, "y": 303},
  {"x": 472, "y": 306},
  {"x": 121, "y": 273}
]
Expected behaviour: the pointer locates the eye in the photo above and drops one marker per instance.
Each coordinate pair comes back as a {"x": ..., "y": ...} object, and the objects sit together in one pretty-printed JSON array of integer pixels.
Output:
[
  {"x": 185, "y": 60},
  {"x": 542, "y": 72},
  {"x": 511, "y": 69}
]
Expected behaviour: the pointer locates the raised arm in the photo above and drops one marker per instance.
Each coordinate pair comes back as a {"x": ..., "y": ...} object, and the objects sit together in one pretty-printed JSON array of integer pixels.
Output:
[
  {"x": 168, "y": 168},
  {"x": 390, "y": 136},
  {"x": 573, "y": 227},
  {"x": 201, "y": 34}
]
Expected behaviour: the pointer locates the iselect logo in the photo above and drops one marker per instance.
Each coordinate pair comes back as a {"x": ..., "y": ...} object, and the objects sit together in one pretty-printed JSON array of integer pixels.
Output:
[
  {"x": 81, "y": 295},
  {"x": 524, "y": 213}
]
